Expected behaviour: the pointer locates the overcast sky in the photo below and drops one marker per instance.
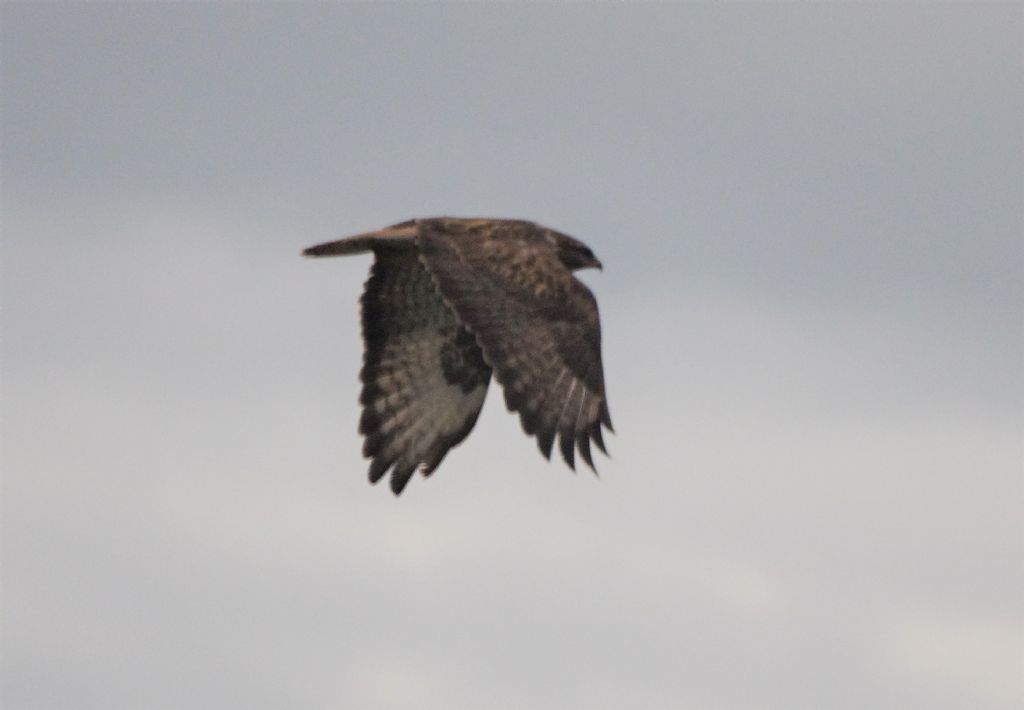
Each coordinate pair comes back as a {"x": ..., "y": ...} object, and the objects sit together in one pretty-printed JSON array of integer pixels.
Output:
[{"x": 811, "y": 223}]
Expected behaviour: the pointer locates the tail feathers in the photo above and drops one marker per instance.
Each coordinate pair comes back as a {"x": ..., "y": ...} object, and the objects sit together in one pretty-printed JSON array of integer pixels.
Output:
[{"x": 395, "y": 236}]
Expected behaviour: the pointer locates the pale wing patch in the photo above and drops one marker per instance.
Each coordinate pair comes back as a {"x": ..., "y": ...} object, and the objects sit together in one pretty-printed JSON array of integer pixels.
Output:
[{"x": 424, "y": 378}]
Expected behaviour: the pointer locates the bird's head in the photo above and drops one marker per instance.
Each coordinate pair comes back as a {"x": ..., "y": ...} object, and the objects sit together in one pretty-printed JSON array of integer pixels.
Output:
[{"x": 573, "y": 253}]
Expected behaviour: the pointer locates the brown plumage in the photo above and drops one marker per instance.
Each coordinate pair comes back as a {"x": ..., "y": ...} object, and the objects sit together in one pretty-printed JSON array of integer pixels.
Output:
[{"x": 450, "y": 299}]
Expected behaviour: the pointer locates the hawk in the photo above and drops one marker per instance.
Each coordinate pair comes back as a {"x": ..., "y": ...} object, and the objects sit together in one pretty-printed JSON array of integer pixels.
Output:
[{"x": 448, "y": 302}]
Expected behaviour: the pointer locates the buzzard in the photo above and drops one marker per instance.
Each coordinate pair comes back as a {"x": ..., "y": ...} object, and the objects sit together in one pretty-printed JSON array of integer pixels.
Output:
[{"x": 448, "y": 301}]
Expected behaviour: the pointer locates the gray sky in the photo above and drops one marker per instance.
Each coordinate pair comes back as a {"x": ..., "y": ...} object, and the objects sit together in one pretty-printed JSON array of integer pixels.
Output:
[{"x": 811, "y": 223}]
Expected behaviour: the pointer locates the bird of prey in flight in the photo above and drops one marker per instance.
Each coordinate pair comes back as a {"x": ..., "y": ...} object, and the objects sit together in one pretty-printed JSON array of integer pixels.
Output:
[{"x": 448, "y": 301}]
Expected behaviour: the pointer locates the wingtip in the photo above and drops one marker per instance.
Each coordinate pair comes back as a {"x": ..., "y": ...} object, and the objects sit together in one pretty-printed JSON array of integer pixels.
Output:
[
  {"x": 606, "y": 417},
  {"x": 378, "y": 467},
  {"x": 595, "y": 434},
  {"x": 400, "y": 477},
  {"x": 583, "y": 444},
  {"x": 567, "y": 444},
  {"x": 401, "y": 474},
  {"x": 545, "y": 442}
]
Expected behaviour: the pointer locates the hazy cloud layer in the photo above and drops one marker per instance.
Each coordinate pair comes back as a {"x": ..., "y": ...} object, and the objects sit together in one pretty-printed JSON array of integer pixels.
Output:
[{"x": 811, "y": 223}]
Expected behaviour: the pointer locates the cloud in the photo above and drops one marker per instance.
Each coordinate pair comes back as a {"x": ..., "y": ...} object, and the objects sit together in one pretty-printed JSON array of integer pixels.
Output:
[
  {"x": 812, "y": 337},
  {"x": 973, "y": 656},
  {"x": 191, "y": 497}
]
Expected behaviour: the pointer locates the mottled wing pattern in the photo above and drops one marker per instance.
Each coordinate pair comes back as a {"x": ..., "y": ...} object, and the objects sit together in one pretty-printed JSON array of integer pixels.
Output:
[
  {"x": 424, "y": 377},
  {"x": 537, "y": 324}
]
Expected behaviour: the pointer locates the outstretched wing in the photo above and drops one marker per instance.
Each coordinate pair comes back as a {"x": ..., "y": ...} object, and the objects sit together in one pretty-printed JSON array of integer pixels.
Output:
[
  {"x": 424, "y": 377},
  {"x": 537, "y": 324}
]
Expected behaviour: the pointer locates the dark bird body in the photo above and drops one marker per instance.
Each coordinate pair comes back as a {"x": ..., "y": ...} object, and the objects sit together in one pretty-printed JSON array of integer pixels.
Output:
[{"x": 449, "y": 301}]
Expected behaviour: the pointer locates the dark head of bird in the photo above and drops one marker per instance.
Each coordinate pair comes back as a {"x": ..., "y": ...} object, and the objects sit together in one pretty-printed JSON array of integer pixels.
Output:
[{"x": 573, "y": 253}]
